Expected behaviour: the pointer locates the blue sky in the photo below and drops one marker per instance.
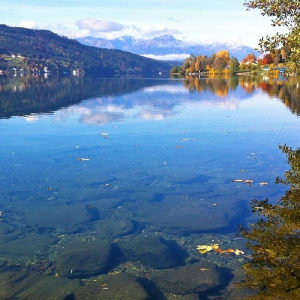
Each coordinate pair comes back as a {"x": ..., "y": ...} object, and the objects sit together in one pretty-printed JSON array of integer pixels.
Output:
[{"x": 189, "y": 20}]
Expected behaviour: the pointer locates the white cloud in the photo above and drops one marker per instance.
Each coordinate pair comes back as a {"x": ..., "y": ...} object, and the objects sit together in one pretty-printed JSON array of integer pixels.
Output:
[
  {"x": 96, "y": 25},
  {"x": 28, "y": 24},
  {"x": 65, "y": 30},
  {"x": 156, "y": 30},
  {"x": 173, "y": 57}
]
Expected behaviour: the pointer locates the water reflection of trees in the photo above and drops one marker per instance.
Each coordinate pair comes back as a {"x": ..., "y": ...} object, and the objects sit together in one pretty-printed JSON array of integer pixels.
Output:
[
  {"x": 275, "y": 239},
  {"x": 218, "y": 86},
  {"x": 288, "y": 90},
  {"x": 27, "y": 95}
]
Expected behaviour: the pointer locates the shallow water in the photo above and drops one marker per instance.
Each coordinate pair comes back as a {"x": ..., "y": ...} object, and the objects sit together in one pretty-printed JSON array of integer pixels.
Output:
[{"x": 138, "y": 172}]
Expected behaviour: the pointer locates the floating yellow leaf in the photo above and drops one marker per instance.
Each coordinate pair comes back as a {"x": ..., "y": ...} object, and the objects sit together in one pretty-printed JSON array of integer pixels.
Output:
[
  {"x": 203, "y": 251},
  {"x": 215, "y": 246},
  {"x": 201, "y": 247},
  {"x": 238, "y": 252},
  {"x": 206, "y": 248}
]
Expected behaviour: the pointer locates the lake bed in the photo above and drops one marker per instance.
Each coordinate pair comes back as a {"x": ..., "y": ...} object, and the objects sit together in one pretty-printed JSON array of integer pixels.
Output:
[{"x": 109, "y": 186}]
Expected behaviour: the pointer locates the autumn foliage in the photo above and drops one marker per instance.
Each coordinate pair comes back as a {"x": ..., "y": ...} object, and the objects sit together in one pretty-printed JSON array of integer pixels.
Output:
[{"x": 267, "y": 59}]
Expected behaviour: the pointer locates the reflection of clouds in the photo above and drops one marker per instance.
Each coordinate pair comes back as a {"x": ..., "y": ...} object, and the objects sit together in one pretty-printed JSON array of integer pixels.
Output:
[
  {"x": 98, "y": 112},
  {"x": 166, "y": 88},
  {"x": 155, "y": 115},
  {"x": 65, "y": 113},
  {"x": 231, "y": 103},
  {"x": 32, "y": 118},
  {"x": 100, "y": 119},
  {"x": 155, "y": 103},
  {"x": 92, "y": 113}
]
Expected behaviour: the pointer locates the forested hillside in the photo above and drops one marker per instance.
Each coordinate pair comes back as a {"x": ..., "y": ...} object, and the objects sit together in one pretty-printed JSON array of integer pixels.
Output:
[{"x": 43, "y": 51}]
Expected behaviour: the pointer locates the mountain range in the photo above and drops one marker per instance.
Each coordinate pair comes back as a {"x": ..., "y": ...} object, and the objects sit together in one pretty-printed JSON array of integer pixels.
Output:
[
  {"x": 37, "y": 51},
  {"x": 167, "y": 47}
]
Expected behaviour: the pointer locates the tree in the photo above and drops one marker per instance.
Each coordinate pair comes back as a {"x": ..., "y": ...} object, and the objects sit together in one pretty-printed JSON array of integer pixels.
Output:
[
  {"x": 198, "y": 64},
  {"x": 276, "y": 55},
  {"x": 285, "y": 13},
  {"x": 223, "y": 54},
  {"x": 267, "y": 59},
  {"x": 219, "y": 63},
  {"x": 176, "y": 69},
  {"x": 234, "y": 65}
]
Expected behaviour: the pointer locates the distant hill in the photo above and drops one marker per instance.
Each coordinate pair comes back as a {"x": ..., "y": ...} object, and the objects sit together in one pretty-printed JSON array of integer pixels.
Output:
[
  {"x": 167, "y": 45},
  {"x": 42, "y": 50}
]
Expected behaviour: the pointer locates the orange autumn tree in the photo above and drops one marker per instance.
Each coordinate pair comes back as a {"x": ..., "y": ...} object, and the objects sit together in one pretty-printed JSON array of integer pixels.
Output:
[{"x": 267, "y": 59}]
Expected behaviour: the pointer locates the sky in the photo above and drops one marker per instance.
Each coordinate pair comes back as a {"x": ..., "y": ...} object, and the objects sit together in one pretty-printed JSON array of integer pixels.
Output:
[{"x": 201, "y": 21}]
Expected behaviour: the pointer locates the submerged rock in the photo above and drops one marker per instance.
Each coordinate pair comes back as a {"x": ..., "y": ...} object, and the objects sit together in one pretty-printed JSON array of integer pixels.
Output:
[
  {"x": 85, "y": 259},
  {"x": 25, "y": 247},
  {"x": 187, "y": 216},
  {"x": 122, "y": 286},
  {"x": 67, "y": 218},
  {"x": 188, "y": 279},
  {"x": 154, "y": 252},
  {"x": 113, "y": 227},
  {"x": 23, "y": 285}
]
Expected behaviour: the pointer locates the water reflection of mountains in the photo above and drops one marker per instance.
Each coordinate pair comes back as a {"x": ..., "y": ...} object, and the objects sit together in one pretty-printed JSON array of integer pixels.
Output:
[{"x": 29, "y": 95}]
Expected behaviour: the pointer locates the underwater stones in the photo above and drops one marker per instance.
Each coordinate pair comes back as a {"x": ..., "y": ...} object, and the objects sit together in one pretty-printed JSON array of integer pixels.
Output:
[
  {"x": 122, "y": 286},
  {"x": 188, "y": 279},
  {"x": 154, "y": 252},
  {"x": 113, "y": 227},
  {"x": 186, "y": 216},
  {"x": 68, "y": 218},
  {"x": 23, "y": 285},
  {"x": 25, "y": 247},
  {"x": 105, "y": 204},
  {"x": 8, "y": 232},
  {"x": 85, "y": 259}
]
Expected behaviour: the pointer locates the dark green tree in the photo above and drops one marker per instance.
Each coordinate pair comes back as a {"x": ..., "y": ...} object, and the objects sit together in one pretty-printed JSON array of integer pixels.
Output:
[{"x": 234, "y": 65}]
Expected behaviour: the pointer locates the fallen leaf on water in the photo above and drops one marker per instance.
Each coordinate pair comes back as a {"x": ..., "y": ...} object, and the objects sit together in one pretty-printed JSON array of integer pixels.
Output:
[
  {"x": 238, "y": 252},
  {"x": 215, "y": 246},
  {"x": 206, "y": 248},
  {"x": 224, "y": 251},
  {"x": 248, "y": 180}
]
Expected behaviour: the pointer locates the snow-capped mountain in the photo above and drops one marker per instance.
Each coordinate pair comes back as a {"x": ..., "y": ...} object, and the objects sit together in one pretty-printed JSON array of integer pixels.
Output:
[{"x": 165, "y": 47}]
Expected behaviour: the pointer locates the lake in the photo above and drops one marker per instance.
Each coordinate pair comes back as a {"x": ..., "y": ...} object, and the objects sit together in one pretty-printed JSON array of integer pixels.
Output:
[{"x": 135, "y": 188}]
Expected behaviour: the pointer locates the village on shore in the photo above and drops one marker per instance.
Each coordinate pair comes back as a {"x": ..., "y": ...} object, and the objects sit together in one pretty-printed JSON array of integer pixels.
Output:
[{"x": 221, "y": 63}]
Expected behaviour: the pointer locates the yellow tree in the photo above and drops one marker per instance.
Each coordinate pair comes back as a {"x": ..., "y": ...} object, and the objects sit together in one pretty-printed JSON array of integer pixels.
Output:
[
  {"x": 223, "y": 54},
  {"x": 198, "y": 63}
]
